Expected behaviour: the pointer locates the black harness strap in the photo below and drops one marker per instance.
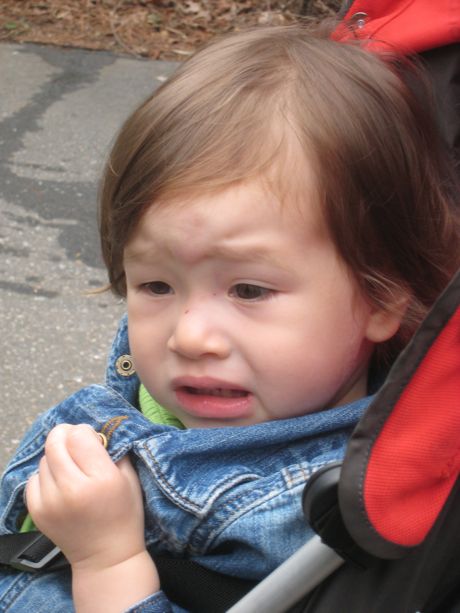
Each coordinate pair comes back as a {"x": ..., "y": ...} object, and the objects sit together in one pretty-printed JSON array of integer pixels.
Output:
[
  {"x": 30, "y": 551},
  {"x": 185, "y": 582},
  {"x": 199, "y": 589}
]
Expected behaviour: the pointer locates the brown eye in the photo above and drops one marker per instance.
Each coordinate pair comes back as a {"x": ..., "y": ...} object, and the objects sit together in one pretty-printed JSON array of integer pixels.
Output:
[
  {"x": 248, "y": 291},
  {"x": 159, "y": 288}
]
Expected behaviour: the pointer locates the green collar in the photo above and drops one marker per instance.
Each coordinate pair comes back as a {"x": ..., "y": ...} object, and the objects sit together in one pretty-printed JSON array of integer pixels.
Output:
[{"x": 155, "y": 412}]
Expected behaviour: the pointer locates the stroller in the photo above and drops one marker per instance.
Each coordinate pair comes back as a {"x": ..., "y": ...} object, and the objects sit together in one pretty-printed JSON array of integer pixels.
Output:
[{"x": 391, "y": 510}]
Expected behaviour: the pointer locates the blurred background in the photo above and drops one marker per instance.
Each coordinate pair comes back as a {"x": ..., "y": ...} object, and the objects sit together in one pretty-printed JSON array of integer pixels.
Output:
[{"x": 158, "y": 29}]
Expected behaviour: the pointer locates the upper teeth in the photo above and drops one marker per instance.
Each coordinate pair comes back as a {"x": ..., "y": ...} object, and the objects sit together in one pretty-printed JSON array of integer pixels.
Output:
[{"x": 225, "y": 393}]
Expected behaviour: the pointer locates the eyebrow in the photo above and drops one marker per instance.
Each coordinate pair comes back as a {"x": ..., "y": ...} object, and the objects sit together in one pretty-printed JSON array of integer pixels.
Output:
[{"x": 258, "y": 253}]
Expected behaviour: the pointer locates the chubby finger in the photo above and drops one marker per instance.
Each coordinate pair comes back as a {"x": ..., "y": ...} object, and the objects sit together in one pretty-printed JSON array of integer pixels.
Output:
[
  {"x": 32, "y": 492},
  {"x": 125, "y": 465},
  {"x": 41, "y": 488},
  {"x": 59, "y": 462},
  {"x": 126, "y": 468},
  {"x": 87, "y": 450},
  {"x": 132, "y": 479}
]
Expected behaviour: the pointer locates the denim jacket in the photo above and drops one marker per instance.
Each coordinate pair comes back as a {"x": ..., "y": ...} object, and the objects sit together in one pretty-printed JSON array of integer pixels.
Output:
[{"x": 228, "y": 498}]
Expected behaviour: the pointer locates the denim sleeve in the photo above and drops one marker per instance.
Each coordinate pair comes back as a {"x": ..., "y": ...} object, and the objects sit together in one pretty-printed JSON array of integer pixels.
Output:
[{"x": 156, "y": 603}]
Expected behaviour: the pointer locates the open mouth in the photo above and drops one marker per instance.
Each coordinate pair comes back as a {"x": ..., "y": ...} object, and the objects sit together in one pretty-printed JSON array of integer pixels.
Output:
[
  {"x": 211, "y": 400},
  {"x": 218, "y": 392}
]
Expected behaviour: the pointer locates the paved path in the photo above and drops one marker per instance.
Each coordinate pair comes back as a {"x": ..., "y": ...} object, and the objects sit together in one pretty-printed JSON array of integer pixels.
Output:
[{"x": 59, "y": 111}]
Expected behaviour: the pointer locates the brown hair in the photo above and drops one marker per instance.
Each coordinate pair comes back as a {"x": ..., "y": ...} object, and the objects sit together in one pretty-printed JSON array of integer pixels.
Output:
[{"x": 384, "y": 183}]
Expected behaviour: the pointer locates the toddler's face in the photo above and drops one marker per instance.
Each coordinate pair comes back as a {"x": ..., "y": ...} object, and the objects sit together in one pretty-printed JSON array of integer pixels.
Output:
[{"x": 240, "y": 310}]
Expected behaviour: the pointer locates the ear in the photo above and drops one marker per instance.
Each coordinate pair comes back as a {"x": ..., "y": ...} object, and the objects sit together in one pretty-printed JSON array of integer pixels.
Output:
[{"x": 384, "y": 322}]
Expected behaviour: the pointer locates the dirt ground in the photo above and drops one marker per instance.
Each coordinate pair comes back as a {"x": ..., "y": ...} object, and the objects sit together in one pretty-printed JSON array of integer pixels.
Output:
[{"x": 159, "y": 29}]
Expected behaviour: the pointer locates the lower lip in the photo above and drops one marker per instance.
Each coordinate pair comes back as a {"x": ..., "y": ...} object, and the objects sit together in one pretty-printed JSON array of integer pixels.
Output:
[{"x": 214, "y": 407}]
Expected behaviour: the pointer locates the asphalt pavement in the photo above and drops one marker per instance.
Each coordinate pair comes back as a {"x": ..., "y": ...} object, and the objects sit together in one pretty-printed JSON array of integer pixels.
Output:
[{"x": 59, "y": 111}]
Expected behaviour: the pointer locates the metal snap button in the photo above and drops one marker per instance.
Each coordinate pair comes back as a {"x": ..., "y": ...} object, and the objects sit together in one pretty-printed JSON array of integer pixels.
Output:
[
  {"x": 103, "y": 439},
  {"x": 358, "y": 20},
  {"x": 125, "y": 366}
]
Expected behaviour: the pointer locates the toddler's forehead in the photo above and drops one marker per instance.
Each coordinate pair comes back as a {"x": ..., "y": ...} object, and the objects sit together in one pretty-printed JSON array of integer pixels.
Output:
[
  {"x": 286, "y": 192},
  {"x": 188, "y": 220}
]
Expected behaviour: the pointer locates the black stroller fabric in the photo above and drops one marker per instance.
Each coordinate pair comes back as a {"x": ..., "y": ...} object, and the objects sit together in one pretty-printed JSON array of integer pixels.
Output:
[{"x": 427, "y": 580}]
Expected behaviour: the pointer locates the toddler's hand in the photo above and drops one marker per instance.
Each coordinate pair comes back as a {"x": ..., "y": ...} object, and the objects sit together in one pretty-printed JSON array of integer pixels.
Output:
[{"x": 87, "y": 505}]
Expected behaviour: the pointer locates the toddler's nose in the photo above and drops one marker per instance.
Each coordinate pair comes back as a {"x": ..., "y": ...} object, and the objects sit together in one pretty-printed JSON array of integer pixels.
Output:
[{"x": 197, "y": 334}]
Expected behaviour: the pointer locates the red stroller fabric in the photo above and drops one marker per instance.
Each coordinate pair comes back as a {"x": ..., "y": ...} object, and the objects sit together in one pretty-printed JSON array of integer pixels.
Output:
[
  {"x": 403, "y": 459},
  {"x": 411, "y": 26},
  {"x": 415, "y": 461}
]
